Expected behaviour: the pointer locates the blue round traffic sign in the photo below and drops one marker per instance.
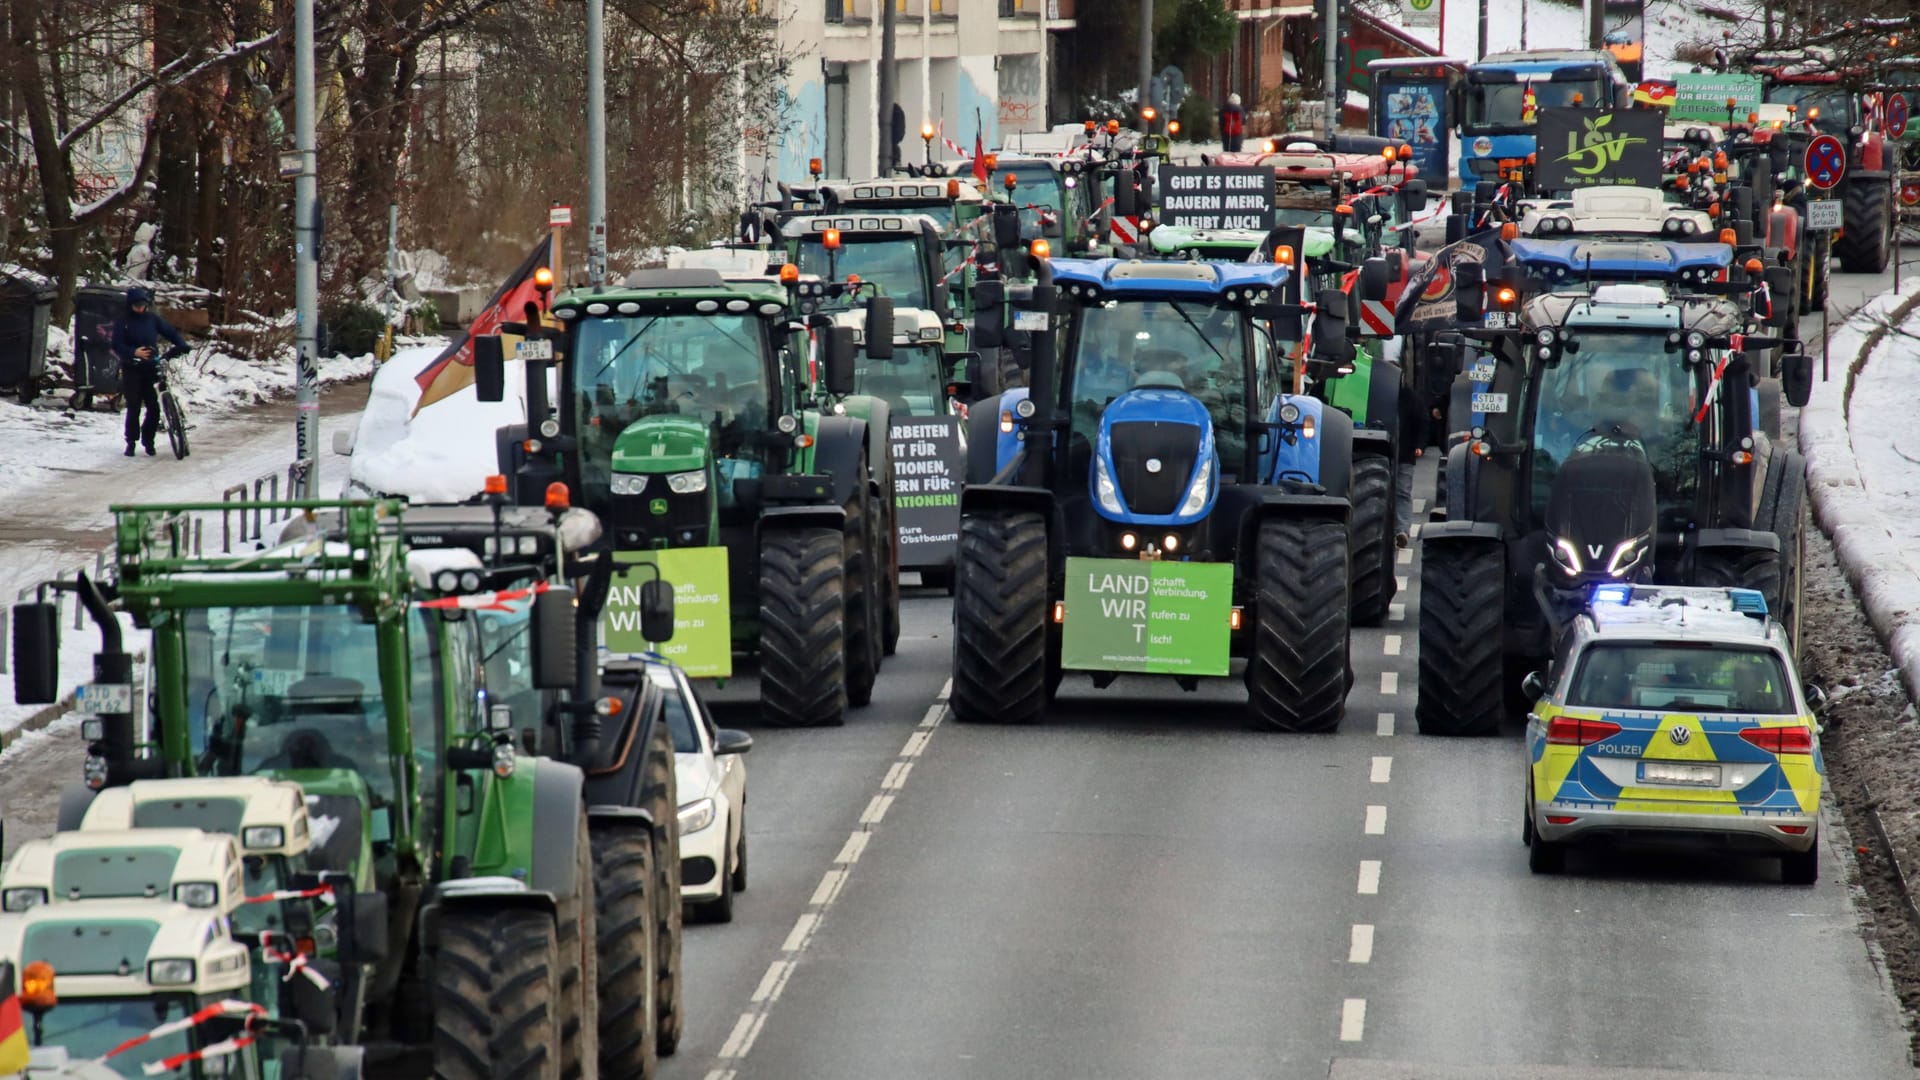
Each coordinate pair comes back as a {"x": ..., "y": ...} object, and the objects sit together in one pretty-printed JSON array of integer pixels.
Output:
[
  {"x": 1897, "y": 115},
  {"x": 1826, "y": 162}
]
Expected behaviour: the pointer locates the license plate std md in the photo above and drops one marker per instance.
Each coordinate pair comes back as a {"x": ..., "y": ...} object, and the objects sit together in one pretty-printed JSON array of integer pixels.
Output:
[
  {"x": 1502, "y": 320},
  {"x": 1666, "y": 772}
]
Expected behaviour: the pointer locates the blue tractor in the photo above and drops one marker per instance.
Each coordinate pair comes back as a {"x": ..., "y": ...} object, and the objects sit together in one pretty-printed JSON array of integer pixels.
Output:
[{"x": 1155, "y": 500}]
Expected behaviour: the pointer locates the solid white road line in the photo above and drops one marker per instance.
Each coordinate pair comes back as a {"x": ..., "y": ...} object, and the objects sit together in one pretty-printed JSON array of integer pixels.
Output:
[
  {"x": 1361, "y": 950},
  {"x": 1369, "y": 877},
  {"x": 1384, "y": 724},
  {"x": 1376, "y": 821},
  {"x": 1353, "y": 1019},
  {"x": 1382, "y": 766},
  {"x": 1392, "y": 645},
  {"x": 1389, "y": 682}
]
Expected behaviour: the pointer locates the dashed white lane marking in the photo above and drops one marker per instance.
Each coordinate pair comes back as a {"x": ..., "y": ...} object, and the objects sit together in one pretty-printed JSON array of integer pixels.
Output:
[
  {"x": 1392, "y": 645},
  {"x": 1353, "y": 1019},
  {"x": 1361, "y": 950},
  {"x": 934, "y": 713},
  {"x": 916, "y": 742},
  {"x": 744, "y": 1031},
  {"x": 1413, "y": 531},
  {"x": 720, "y": 1074},
  {"x": 774, "y": 981},
  {"x": 1369, "y": 877},
  {"x": 1389, "y": 682},
  {"x": 850, "y": 852},
  {"x": 803, "y": 929},
  {"x": 896, "y": 776},
  {"x": 1384, "y": 724},
  {"x": 1404, "y": 556},
  {"x": 828, "y": 888},
  {"x": 1376, "y": 821},
  {"x": 876, "y": 810},
  {"x": 1419, "y": 506},
  {"x": 1401, "y": 580},
  {"x": 1382, "y": 766},
  {"x": 1396, "y": 613}
]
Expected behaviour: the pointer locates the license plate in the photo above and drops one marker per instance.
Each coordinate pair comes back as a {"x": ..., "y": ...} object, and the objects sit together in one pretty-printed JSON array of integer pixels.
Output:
[
  {"x": 1502, "y": 320},
  {"x": 1029, "y": 320},
  {"x": 1489, "y": 403},
  {"x": 99, "y": 698},
  {"x": 1664, "y": 772},
  {"x": 1481, "y": 373},
  {"x": 534, "y": 350}
]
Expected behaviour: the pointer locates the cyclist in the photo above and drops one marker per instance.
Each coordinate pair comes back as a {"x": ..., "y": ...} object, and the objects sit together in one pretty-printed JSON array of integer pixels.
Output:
[{"x": 136, "y": 337}]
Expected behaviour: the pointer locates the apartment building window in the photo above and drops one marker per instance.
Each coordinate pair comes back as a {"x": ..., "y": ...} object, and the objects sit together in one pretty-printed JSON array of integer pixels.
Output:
[{"x": 836, "y": 11}]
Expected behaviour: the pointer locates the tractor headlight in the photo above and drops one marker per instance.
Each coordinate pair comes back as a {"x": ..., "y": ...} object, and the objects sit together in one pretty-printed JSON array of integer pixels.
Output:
[
  {"x": 688, "y": 483},
  {"x": 202, "y": 894},
  {"x": 1544, "y": 336},
  {"x": 629, "y": 483},
  {"x": 1627, "y": 555},
  {"x": 263, "y": 836},
  {"x": 1696, "y": 340},
  {"x": 17, "y": 900},
  {"x": 1566, "y": 556},
  {"x": 170, "y": 972},
  {"x": 696, "y": 815},
  {"x": 1104, "y": 489},
  {"x": 447, "y": 580},
  {"x": 1202, "y": 487},
  {"x": 1289, "y": 413},
  {"x": 504, "y": 759},
  {"x": 787, "y": 424}
]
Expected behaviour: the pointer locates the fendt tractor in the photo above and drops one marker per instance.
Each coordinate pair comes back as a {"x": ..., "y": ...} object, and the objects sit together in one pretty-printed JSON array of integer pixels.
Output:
[
  {"x": 1612, "y": 436},
  {"x": 1169, "y": 507},
  {"x": 325, "y": 661},
  {"x": 689, "y": 420}
]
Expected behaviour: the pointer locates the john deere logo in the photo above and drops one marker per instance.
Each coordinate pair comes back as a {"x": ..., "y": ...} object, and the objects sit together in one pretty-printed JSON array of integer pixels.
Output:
[
  {"x": 658, "y": 506},
  {"x": 1596, "y": 147}
]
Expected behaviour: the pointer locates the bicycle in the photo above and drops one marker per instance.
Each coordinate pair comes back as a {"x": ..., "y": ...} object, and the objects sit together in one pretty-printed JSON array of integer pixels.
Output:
[{"x": 171, "y": 414}]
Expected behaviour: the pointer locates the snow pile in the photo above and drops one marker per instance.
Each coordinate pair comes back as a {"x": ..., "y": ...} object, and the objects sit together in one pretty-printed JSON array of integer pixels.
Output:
[
  {"x": 444, "y": 454},
  {"x": 1863, "y": 469},
  {"x": 1551, "y": 25}
]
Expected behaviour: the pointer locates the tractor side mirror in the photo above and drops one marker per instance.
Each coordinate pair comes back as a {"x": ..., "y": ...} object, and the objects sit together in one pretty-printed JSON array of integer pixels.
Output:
[
  {"x": 1785, "y": 302},
  {"x": 841, "y": 348},
  {"x": 656, "y": 611},
  {"x": 1413, "y": 196},
  {"x": 1006, "y": 226},
  {"x": 36, "y": 654},
  {"x": 1374, "y": 276},
  {"x": 1796, "y": 378},
  {"x": 1330, "y": 341},
  {"x": 369, "y": 945},
  {"x": 879, "y": 330},
  {"x": 311, "y": 1004},
  {"x": 942, "y": 300},
  {"x": 489, "y": 368},
  {"x": 1126, "y": 198},
  {"x": 1533, "y": 686},
  {"x": 1470, "y": 300},
  {"x": 989, "y": 321},
  {"x": 553, "y": 638}
]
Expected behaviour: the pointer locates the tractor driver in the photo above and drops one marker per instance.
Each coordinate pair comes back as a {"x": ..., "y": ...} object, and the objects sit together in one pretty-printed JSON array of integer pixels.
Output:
[{"x": 1625, "y": 398}]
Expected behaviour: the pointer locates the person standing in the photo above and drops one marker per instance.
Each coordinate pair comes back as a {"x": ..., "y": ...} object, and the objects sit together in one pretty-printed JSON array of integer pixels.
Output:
[
  {"x": 136, "y": 339},
  {"x": 1233, "y": 125}
]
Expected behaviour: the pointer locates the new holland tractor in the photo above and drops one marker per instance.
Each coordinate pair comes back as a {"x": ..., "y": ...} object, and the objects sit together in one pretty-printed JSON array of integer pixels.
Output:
[
  {"x": 319, "y": 661},
  {"x": 692, "y": 423},
  {"x": 1170, "y": 507},
  {"x": 1612, "y": 436}
]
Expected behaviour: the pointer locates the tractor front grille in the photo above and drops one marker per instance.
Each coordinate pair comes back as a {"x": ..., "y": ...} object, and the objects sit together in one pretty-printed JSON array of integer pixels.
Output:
[{"x": 1173, "y": 446}]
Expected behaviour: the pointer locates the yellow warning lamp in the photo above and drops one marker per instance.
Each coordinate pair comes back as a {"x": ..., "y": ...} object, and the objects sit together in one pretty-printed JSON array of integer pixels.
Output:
[
  {"x": 789, "y": 274},
  {"x": 543, "y": 279},
  {"x": 1713, "y": 210},
  {"x": 992, "y": 162},
  {"x": 1813, "y": 114},
  {"x": 1755, "y": 266},
  {"x": 926, "y": 132},
  {"x": 1147, "y": 114},
  {"x": 1113, "y": 127},
  {"x": 853, "y": 281},
  {"x": 1173, "y": 127},
  {"x": 1753, "y": 118},
  {"x": 1509, "y": 231},
  {"x": 1344, "y": 210},
  {"x": 1041, "y": 249},
  {"x": 1390, "y": 154},
  {"x": 1091, "y": 128},
  {"x": 1728, "y": 236},
  {"x": 36, "y": 986},
  {"x": 1578, "y": 99},
  {"x": 1505, "y": 296},
  {"x": 1283, "y": 255},
  {"x": 1406, "y": 152},
  {"x": 558, "y": 497},
  {"x": 953, "y": 189},
  {"x": 1267, "y": 147},
  {"x": 1011, "y": 181},
  {"x": 815, "y": 168},
  {"x": 495, "y": 485},
  {"x": 831, "y": 241}
]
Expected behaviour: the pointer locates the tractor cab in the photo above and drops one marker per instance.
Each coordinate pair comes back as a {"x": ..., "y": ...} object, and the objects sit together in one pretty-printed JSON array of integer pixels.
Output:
[
  {"x": 904, "y": 255},
  {"x": 1503, "y": 94},
  {"x": 189, "y": 866},
  {"x": 915, "y": 380}
]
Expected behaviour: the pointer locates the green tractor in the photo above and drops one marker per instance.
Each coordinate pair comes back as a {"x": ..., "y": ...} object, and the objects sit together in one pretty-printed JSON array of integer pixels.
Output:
[
  {"x": 710, "y": 420},
  {"x": 319, "y": 661}
]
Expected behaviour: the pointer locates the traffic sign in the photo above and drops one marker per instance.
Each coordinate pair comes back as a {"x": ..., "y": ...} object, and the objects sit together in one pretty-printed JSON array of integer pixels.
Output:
[
  {"x": 560, "y": 216},
  {"x": 1824, "y": 214},
  {"x": 1897, "y": 115},
  {"x": 1826, "y": 162}
]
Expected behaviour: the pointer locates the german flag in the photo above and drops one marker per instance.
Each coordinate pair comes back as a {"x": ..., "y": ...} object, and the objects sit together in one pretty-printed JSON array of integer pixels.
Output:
[
  {"x": 452, "y": 371},
  {"x": 13, "y": 1035},
  {"x": 1658, "y": 93}
]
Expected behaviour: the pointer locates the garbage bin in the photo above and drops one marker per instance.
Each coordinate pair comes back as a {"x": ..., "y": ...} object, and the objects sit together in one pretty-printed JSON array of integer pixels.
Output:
[
  {"x": 96, "y": 371},
  {"x": 25, "y": 302}
]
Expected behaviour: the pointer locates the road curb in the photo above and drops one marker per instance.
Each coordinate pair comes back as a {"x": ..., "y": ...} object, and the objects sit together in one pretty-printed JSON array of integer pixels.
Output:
[{"x": 1870, "y": 554}]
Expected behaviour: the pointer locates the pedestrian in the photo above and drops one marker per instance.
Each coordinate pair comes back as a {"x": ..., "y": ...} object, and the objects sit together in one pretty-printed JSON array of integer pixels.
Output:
[
  {"x": 1233, "y": 125},
  {"x": 136, "y": 337}
]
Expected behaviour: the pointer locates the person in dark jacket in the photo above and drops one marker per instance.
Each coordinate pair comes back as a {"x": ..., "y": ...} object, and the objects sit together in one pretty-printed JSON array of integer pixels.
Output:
[
  {"x": 1233, "y": 125},
  {"x": 136, "y": 341}
]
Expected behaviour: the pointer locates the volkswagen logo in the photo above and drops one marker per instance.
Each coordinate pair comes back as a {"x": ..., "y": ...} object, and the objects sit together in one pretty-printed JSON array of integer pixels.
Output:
[
  {"x": 1680, "y": 735},
  {"x": 1153, "y": 464}
]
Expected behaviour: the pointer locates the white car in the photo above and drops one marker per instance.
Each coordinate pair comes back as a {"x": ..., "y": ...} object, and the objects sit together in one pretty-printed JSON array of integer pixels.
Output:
[{"x": 713, "y": 799}]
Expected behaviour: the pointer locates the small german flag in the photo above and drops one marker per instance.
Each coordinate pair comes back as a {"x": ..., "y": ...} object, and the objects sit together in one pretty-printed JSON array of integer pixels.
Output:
[
  {"x": 13, "y": 1035},
  {"x": 1658, "y": 93}
]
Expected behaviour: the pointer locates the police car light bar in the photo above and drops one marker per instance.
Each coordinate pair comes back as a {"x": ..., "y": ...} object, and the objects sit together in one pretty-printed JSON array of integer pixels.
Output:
[
  {"x": 1748, "y": 602},
  {"x": 1619, "y": 595}
]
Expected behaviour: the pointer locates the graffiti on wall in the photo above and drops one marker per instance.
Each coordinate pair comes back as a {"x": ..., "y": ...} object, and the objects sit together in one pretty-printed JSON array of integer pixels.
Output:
[
  {"x": 1022, "y": 104},
  {"x": 804, "y": 133}
]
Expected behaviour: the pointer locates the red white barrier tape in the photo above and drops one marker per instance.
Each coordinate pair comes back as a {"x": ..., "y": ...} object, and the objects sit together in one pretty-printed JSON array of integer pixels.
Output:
[
  {"x": 289, "y": 894},
  {"x": 297, "y": 962},
  {"x": 174, "y": 1027},
  {"x": 493, "y": 601}
]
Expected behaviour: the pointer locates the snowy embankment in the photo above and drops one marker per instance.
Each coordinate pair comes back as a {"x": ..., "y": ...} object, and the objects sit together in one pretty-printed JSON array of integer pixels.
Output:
[{"x": 1863, "y": 466}]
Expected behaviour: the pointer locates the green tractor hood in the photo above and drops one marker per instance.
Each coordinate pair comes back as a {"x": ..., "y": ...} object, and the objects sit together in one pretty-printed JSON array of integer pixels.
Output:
[{"x": 662, "y": 444}]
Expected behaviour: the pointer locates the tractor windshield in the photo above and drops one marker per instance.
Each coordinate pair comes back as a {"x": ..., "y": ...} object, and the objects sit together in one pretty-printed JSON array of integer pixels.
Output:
[
  {"x": 891, "y": 262},
  {"x": 1038, "y": 190},
  {"x": 913, "y": 383},
  {"x": 1833, "y": 100},
  {"x": 1118, "y": 345},
  {"x": 90, "y": 1027},
  {"x": 1497, "y": 106},
  {"x": 1619, "y": 391},
  {"x": 287, "y": 689}
]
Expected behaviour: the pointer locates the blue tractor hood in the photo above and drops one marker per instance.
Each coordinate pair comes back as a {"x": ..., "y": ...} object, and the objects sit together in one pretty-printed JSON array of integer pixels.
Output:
[
  {"x": 1615, "y": 260},
  {"x": 1155, "y": 448}
]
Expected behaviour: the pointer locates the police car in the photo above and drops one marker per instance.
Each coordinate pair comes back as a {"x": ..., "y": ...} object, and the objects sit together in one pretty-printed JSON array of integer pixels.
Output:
[{"x": 1673, "y": 714}]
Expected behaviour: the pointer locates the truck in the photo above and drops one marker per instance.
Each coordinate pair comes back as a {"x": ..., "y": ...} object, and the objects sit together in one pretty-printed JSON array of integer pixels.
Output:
[{"x": 1502, "y": 92}]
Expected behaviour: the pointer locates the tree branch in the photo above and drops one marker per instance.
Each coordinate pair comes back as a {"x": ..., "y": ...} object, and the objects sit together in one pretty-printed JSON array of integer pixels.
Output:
[
  {"x": 149, "y": 155},
  {"x": 174, "y": 74}
]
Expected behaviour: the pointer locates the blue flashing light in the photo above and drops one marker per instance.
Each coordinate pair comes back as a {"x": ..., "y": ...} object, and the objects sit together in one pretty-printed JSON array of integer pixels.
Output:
[
  {"x": 1616, "y": 258},
  {"x": 1748, "y": 602},
  {"x": 1615, "y": 595}
]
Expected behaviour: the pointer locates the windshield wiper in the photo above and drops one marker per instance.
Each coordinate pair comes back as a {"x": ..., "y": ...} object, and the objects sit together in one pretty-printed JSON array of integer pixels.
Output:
[
  {"x": 1201, "y": 334},
  {"x": 625, "y": 345}
]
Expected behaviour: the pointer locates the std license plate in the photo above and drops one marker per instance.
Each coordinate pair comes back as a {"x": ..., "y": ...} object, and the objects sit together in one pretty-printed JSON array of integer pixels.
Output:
[
  {"x": 1489, "y": 403},
  {"x": 1482, "y": 372},
  {"x": 98, "y": 698},
  {"x": 1502, "y": 320},
  {"x": 1030, "y": 320},
  {"x": 1668, "y": 772},
  {"x": 539, "y": 349}
]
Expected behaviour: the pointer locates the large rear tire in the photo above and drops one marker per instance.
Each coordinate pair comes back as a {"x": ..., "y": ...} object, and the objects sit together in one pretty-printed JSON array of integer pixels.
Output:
[
  {"x": 623, "y": 879},
  {"x": 1297, "y": 677},
  {"x": 1374, "y": 583},
  {"x": 1752, "y": 568},
  {"x": 1462, "y": 595},
  {"x": 803, "y": 637},
  {"x": 576, "y": 922},
  {"x": 496, "y": 984},
  {"x": 1000, "y": 619},
  {"x": 865, "y": 598},
  {"x": 1867, "y": 227}
]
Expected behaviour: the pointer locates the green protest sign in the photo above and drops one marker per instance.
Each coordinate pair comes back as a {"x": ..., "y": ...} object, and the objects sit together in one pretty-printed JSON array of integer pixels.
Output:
[
  {"x": 1165, "y": 618},
  {"x": 702, "y": 618},
  {"x": 1704, "y": 97}
]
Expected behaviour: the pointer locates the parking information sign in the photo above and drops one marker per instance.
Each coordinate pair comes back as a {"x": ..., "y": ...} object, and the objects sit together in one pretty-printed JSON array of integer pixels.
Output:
[
  {"x": 928, "y": 465},
  {"x": 1704, "y": 97},
  {"x": 702, "y": 612},
  {"x": 1164, "y": 618},
  {"x": 1824, "y": 213},
  {"x": 1215, "y": 197}
]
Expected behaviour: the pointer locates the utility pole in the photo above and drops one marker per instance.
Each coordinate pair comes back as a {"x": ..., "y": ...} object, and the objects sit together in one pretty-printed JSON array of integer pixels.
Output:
[
  {"x": 596, "y": 143},
  {"x": 1597, "y": 28},
  {"x": 1480, "y": 48},
  {"x": 889, "y": 17},
  {"x": 1146, "y": 59},
  {"x": 1330, "y": 44},
  {"x": 306, "y": 252}
]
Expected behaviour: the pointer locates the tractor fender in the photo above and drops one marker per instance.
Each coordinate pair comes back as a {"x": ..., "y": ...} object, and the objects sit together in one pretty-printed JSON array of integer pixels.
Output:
[
  {"x": 1290, "y": 507},
  {"x": 559, "y": 790},
  {"x": 1460, "y": 532},
  {"x": 1336, "y": 453},
  {"x": 1458, "y": 468},
  {"x": 983, "y": 440},
  {"x": 804, "y": 517},
  {"x": 1868, "y": 176},
  {"x": 1383, "y": 398},
  {"x": 1006, "y": 498},
  {"x": 1372, "y": 442},
  {"x": 1006, "y": 444},
  {"x": 1783, "y": 231},
  {"x": 879, "y": 424},
  {"x": 1326, "y": 459},
  {"x": 1732, "y": 540},
  {"x": 839, "y": 442},
  {"x": 606, "y": 816}
]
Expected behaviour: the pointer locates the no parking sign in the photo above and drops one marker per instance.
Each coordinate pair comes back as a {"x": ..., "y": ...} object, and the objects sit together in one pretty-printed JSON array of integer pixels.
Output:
[
  {"x": 1897, "y": 115},
  {"x": 1826, "y": 162}
]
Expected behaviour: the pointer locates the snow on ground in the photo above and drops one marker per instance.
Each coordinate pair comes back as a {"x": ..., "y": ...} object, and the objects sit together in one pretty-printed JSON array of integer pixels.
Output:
[
  {"x": 446, "y": 452},
  {"x": 1549, "y": 25}
]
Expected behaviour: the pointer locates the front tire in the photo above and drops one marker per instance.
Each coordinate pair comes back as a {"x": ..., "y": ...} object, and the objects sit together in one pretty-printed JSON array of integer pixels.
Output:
[
  {"x": 1802, "y": 867},
  {"x": 1374, "y": 583},
  {"x": 803, "y": 637},
  {"x": 496, "y": 983},
  {"x": 1755, "y": 568},
  {"x": 1868, "y": 216},
  {"x": 1298, "y": 675},
  {"x": 623, "y": 880},
  {"x": 1000, "y": 613},
  {"x": 576, "y": 928},
  {"x": 176, "y": 425},
  {"x": 1462, "y": 593}
]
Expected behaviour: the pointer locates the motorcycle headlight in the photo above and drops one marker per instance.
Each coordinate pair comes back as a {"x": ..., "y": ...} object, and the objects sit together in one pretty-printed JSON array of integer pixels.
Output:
[
  {"x": 688, "y": 483},
  {"x": 1626, "y": 555},
  {"x": 201, "y": 894},
  {"x": 1104, "y": 489},
  {"x": 1202, "y": 487},
  {"x": 1567, "y": 556},
  {"x": 696, "y": 815},
  {"x": 629, "y": 483},
  {"x": 22, "y": 899}
]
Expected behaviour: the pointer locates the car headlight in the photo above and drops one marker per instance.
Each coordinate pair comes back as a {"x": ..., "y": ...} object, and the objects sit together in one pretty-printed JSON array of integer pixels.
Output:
[
  {"x": 201, "y": 894},
  {"x": 1104, "y": 489},
  {"x": 688, "y": 483},
  {"x": 696, "y": 815},
  {"x": 1626, "y": 555},
  {"x": 22, "y": 899},
  {"x": 1202, "y": 487},
  {"x": 629, "y": 483},
  {"x": 1566, "y": 555},
  {"x": 263, "y": 836},
  {"x": 170, "y": 972}
]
